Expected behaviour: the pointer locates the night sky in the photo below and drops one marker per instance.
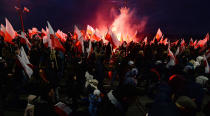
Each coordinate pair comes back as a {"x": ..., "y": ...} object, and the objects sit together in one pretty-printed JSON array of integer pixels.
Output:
[{"x": 172, "y": 16}]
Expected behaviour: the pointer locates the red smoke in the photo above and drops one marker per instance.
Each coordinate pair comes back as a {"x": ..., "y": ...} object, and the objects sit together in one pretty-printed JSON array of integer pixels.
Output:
[{"x": 124, "y": 24}]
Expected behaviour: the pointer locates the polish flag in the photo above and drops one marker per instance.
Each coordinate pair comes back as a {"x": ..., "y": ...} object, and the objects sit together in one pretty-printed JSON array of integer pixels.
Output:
[
  {"x": 62, "y": 109},
  {"x": 24, "y": 40},
  {"x": 112, "y": 38},
  {"x": 23, "y": 59},
  {"x": 145, "y": 41},
  {"x": 175, "y": 43},
  {"x": 62, "y": 36},
  {"x": 159, "y": 34},
  {"x": 10, "y": 33},
  {"x": 3, "y": 30},
  {"x": 53, "y": 42},
  {"x": 191, "y": 43},
  {"x": 97, "y": 36},
  {"x": 79, "y": 37},
  {"x": 172, "y": 61},
  {"x": 26, "y": 10},
  {"x": 90, "y": 31},
  {"x": 165, "y": 42}
]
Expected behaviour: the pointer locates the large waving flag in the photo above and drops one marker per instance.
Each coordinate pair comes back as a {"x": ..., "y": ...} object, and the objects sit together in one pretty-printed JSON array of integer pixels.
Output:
[
  {"x": 80, "y": 37},
  {"x": 61, "y": 35},
  {"x": 10, "y": 33},
  {"x": 23, "y": 59},
  {"x": 112, "y": 38},
  {"x": 90, "y": 31},
  {"x": 97, "y": 36},
  {"x": 54, "y": 42},
  {"x": 159, "y": 35}
]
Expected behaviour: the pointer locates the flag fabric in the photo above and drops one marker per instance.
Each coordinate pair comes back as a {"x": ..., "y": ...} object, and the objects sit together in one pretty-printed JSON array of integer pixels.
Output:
[
  {"x": 191, "y": 44},
  {"x": 24, "y": 40},
  {"x": 172, "y": 61},
  {"x": 89, "y": 50},
  {"x": 23, "y": 59},
  {"x": 2, "y": 30},
  {"x": 97, "y": 36},
  {"x": 165, "y": 41},
  {"x": 175, "y": 43},
  {"x": 90, "y": 31},
  {"x": 10, "y": 33},
  {"x": 145, "y": 41},
  {"x": 53, "y": 42},
  {"x": 62, "y": 109},
  {"x": 177, "y": 51},
  {"x": 153, "y": 41},
  {"x": 26, "y": 10},
  {"x": 195, "y": 43},
  {"x": 79, "y": 37},
  {"x": 159, "y": 34},
  {"x": 112, "y": 38},
  {"x": 56, "y": 44},
  {"x": 182, "y": 46},
  {"x": 161, "y": 41},
  {"x": 62, "y": 36},
  {"x": 207, "y": 71},
  {"x": 202, "y": 43}
]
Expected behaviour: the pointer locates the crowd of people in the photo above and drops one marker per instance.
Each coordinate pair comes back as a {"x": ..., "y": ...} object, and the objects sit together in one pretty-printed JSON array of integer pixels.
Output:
[{"x": 104, "y": 81}]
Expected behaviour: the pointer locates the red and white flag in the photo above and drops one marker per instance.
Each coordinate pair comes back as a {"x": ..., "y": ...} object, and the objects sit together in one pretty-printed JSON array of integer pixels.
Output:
[
  {"x": 53, "y": 42},
  {"x": 165, "y": 41},
  {"x": 24, "y": 40},
  {"x": 182, "y": 46},
  {"x": 175, "y": 43},
  {"x": 61, "y": 35},
  {"x": 191, "y": 44},
  {"x": 161, "y": 41},
  {"x": 80, "y": 37},
  {"x": 172, "y": 61},
  {"x": 10, "y": 33},
  {"x": 159, "y": 34},
  {"x": 112, "y": 38},
  {"x": 62, "y": 109},
  {"x": 90, "y": 31},
  {"x": 2, "y": 30},
  {"x": 145, "y": 41},
  {"x": 23, "y": 59},
  {"x": 97, "y": 36},
  {"x": 26, "y": 10}
]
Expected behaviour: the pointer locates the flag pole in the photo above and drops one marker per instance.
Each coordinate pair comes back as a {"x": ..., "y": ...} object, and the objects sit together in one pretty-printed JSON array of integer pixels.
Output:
[{"x": 20, "y": 13}]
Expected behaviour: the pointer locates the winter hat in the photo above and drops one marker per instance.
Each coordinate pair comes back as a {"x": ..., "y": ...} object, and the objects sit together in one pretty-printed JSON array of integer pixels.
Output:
[{"x": 97, "y": 92}]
